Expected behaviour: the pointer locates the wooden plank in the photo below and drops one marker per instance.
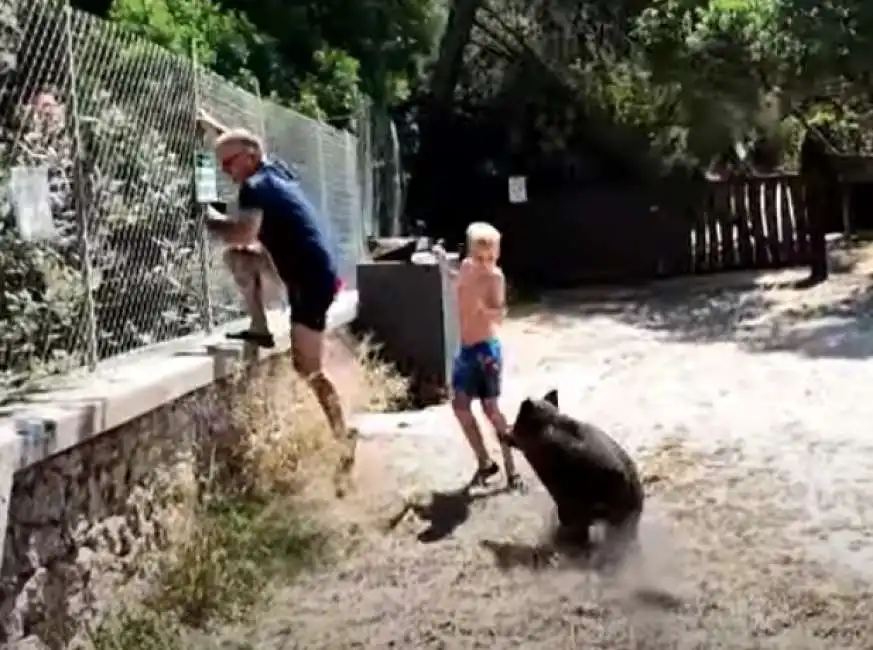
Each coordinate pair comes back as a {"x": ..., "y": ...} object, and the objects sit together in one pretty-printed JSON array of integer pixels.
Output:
[
  {"x": 712, "y": 239},
  {"x": 721, "y": 206},
  {"x": 739, "y": 205},
  {"x": 688, "y": 215},
  {"x": 771, "y": 222},
  {"x": 800, "y": 211},
  {"x": 788, "y": 244},
  {"x": 756, "y": 223},
  {"x": 700, "y": 257}
]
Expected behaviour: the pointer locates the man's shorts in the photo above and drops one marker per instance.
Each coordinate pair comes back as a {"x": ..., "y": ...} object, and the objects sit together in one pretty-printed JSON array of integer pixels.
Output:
[
  {"x": 477, "y": 370},
  {"x": 310, "y": 304}
]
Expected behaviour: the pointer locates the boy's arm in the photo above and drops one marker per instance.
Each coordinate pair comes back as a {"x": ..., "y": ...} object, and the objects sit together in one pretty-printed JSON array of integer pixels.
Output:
[
  {"x": 442, "y": 258},
  {"x": 495, "y": 295}
]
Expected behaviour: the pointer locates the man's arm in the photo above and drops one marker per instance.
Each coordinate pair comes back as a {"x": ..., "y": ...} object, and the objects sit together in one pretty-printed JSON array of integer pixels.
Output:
[
  {"x": 211, "y": 127},
  {"x": 239, "y": 228}
]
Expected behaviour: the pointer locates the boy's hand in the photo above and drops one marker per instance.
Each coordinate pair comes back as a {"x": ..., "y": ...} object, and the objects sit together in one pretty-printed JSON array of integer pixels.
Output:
[{"x": 442, "y": 257}]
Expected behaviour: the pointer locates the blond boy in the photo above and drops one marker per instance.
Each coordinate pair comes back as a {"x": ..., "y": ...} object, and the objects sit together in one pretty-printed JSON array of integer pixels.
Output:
[{"x": 478, "y": 366}]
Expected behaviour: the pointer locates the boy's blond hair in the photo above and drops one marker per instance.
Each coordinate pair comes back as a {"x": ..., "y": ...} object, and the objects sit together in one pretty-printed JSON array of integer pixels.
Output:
[{"x": 480, "y": 233}]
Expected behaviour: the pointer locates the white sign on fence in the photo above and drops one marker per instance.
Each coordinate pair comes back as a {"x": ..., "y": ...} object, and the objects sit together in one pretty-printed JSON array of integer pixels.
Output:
[
  {"x": 206, "y": 178},
  {"x": 31, "y": 200},
  {"x": 517, "y": 189}
]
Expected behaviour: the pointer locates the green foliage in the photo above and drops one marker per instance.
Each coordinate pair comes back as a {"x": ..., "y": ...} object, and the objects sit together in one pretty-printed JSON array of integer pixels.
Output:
[
  {"x": 142, "y": 242},
  {"x": 318, "y": 57},
  {"x": 333, "y": 89},
  {"x": 221, "y": 39}
]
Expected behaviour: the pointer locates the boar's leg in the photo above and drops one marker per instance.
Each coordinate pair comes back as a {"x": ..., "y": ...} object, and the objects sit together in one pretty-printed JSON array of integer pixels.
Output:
[{"x": 574, "y": 529}]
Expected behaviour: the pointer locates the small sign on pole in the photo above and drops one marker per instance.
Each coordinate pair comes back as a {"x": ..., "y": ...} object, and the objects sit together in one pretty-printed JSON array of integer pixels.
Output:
[
  {"x": 31, "y": 200},
  {"x": 517, "y": 189}
]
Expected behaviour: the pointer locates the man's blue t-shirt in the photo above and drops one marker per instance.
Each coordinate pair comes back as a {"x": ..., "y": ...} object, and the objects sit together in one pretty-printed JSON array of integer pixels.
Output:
[{"x": 289, "y": 228}]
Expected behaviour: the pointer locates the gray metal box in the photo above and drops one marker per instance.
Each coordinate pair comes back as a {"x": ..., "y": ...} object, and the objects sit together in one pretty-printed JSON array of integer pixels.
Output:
[{"x": 411, "y": 311}]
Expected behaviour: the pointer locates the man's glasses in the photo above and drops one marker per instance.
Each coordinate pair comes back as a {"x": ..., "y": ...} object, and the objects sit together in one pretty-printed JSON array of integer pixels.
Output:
[{"x": 227, "y": 163}]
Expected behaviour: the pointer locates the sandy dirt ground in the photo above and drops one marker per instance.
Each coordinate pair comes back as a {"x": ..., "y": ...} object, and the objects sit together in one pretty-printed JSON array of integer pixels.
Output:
[{"x": 749, "y": 409}]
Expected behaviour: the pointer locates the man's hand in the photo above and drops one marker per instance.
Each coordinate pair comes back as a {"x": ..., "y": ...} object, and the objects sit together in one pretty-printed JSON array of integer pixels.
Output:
[
  {"x": 239, "y": 229},
  {"x": 209, "y": 124}
]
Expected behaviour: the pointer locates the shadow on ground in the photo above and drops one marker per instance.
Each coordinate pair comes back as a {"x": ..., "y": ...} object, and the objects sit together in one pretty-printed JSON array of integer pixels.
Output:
[
  {"x": 444, "y": 512},
  {"x": 830, "y": 320}
]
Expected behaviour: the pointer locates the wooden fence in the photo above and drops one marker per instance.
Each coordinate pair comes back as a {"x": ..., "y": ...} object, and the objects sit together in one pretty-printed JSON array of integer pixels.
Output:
[{"x": 750, "y": 223}]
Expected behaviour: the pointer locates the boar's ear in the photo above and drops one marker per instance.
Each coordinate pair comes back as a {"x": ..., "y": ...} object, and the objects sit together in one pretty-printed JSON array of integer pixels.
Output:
[
  {"x": 525, "y": 411},
  {"x": 552, "y": 397}
]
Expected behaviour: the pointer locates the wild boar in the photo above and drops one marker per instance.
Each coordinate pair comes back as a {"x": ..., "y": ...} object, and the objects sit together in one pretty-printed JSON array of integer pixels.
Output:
[{"x": 588, "y": 475}]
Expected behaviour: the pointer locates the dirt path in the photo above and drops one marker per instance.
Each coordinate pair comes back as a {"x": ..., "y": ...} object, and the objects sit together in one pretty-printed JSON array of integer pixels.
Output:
[{"x": 750, "y": 411}]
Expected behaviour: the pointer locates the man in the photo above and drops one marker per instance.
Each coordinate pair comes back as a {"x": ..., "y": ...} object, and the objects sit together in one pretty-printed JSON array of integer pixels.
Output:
[{"x": 275, "y": 233}]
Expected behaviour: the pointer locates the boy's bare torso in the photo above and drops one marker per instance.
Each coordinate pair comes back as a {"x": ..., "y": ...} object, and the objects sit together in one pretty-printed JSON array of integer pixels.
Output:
[{"x": 479, "y": 302}]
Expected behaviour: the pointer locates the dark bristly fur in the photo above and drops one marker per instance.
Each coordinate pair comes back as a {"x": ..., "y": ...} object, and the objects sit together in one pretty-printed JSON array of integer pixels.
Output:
[{"x": 587, "y": 473}]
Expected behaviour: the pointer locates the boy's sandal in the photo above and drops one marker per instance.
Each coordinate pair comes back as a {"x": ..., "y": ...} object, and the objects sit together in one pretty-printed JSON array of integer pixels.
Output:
[
  {"x": 515, "y": 483},
  {"x": 480, "y": 478},
  {"x": 264, "y": 340}
]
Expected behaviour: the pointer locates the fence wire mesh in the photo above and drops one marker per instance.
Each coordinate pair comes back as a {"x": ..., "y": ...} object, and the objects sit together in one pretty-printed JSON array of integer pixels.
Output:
[
  {"x": 135, "y": 106},
  {"x": 232, "y": 106},
  {"x": 112, "y": 256},
  {"x": 44, "y": 299}
]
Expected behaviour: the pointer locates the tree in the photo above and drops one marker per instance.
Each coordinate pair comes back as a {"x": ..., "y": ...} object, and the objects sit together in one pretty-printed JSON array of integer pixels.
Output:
[{"x": 320, "y": 57}]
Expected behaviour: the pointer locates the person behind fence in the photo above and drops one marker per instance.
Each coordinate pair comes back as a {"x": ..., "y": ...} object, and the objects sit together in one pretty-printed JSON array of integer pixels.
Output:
[
  {"x": 478, "y": 366},
  {"x": 275, "y": 234}
]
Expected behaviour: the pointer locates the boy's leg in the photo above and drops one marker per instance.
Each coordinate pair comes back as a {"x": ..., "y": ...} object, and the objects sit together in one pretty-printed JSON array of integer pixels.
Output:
[
  {"x": 247, "y": 268},
  {"x": 461, "y": 405},
  {"x": 492, "y": 371},
  {"x": 495, "y": 416}
]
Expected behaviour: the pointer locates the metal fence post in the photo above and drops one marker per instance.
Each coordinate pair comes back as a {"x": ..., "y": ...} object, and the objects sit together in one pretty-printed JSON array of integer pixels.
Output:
[
  {"x": 322, "y": 174},
  {"x": 197, "y": 208},
  {"x": 358, "y": 216},
  {"x": 397, "y": 195},
  {"x": 80, "y": 196},
  {"x": 368, "y": 188},
  {"x": 256, "y": 86}
]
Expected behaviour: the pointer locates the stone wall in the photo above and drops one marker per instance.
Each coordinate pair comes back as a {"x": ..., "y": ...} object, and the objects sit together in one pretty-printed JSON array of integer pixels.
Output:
[
  {"x": 80, "y": 522},
  {"x": 119, "y": 474}
]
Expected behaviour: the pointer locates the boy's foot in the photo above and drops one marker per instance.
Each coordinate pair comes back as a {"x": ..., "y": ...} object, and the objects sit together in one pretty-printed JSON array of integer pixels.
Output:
[
  {"x": 261, "y": 339},
  {"x": 515, "y": 483},
  {"x": 485, "y": 472}
]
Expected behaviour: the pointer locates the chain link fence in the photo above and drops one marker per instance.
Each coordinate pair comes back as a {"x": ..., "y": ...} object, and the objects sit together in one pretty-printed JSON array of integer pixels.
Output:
[{"x": 102, "y": 248}]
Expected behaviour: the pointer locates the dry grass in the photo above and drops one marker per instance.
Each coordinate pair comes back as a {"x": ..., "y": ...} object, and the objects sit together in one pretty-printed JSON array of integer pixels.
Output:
[{"x": 254, "y": 522}]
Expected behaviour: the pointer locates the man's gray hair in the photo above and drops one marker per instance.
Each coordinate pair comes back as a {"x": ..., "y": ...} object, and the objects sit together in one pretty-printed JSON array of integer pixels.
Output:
[{"x": 242, "y": 137}]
